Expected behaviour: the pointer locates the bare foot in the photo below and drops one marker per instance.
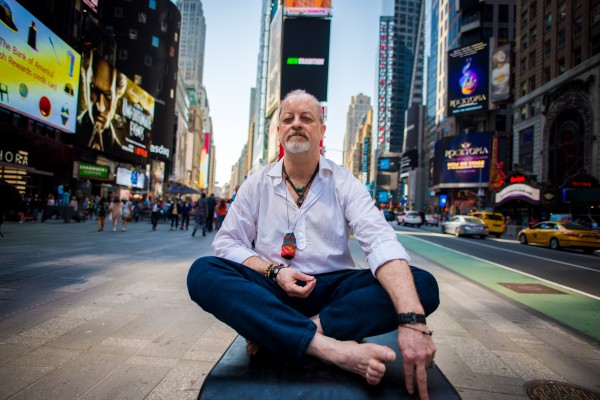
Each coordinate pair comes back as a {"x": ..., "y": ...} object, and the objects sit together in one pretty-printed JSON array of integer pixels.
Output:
[
  {"x": 365, "y": 359},
  {"x": 252, "y": 347}
]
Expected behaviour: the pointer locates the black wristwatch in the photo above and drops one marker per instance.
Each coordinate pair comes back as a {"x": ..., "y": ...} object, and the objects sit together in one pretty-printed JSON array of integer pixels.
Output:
[{"x": 411, "y": 318}]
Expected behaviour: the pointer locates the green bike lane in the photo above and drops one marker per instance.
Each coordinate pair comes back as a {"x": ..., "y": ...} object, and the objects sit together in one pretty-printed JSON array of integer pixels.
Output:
[{"x": 571, "y": 308}]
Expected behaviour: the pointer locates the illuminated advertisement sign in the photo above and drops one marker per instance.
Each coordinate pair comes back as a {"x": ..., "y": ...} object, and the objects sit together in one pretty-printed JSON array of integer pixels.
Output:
[
  {"x": 204, "y": 160},
  {"x": 308, "y": 8},
  {"x": 92, "y": 4},
  {"x": 274, "y": 64},
  {"x": 305, "y": 56},
  {"x": 114, "y": 114},
  {"x": 39, "y": 72},
  {"x": 126, "y": 177},
  {"x": 92, "y": 170},
  {"x": 468, "y": 79},
  {"x": 463, "y": 161},
  {"x": 385, "y": 80},
  {"x": 500, "y": 74}
]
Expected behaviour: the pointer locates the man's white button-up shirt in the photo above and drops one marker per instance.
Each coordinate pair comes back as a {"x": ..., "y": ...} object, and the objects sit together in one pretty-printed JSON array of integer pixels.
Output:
[{"x": 336, "y": 205}]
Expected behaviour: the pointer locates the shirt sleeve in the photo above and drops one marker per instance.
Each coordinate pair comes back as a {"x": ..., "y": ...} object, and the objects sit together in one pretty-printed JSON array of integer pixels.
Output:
[
  {"x": 234, "y": 239},
  {"x": 375, "y": 236}
]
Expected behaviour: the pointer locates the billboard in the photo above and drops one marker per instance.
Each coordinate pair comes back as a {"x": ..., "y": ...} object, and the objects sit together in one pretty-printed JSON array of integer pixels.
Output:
[
  {"x": 305, "y": 56},
  {"x": 39, "y": 72},
  {"x": 468, "y": 69},
  {"x": 463, "y": 161},
  {"x": 308, "y": 8},
  {"x": 274, "y": 64},
  {"x": 127, "y": 177},
  {"x": 500, "y": 74},
  {"x": 114, "y": 114}
]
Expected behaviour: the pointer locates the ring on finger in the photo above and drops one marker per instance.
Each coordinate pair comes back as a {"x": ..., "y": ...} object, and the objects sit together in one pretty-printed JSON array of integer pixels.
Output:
[{"x": 431, "y": 365}]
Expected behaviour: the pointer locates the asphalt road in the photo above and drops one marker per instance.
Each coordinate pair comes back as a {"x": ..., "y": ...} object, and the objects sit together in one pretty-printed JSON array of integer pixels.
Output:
[{"x": 569, "y": 268}]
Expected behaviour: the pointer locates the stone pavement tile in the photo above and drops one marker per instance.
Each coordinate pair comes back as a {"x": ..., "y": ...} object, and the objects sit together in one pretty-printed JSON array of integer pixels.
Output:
[
  {"x": 504, "y": 396},
  {"x": 177, "y": 339},
  {"x": 14, "y": 378},
  {"x": 489, "y": 337},
  {"x": 89, "y": 334},
  {"x": 10, "y": 351},
  {"x": 47, "y": 356},
  {"x": 53, "y": 328},
  {"x": 480, "y": 359},
  {"x": 150, "y": 322},
  {"x": 127, "y": 382},
  {"x": 565, "y": 343},
  {"x": 526, "y": 366},
  {"x": 440, "y": 321},
  {"x": 570, "y": 368},
  {"x": 455, "y": 369},
  {"x": 473, "y": 394},
  {"x": 75, "y": 378},
  {"x": 503, "y": 384},
  {"x": 183, "y": 382}
]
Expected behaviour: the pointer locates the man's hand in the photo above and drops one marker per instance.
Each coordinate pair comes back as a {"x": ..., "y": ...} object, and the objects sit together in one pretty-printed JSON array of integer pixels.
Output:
[
  {"x": 418, "y": 351},
  {"x": 295, "y": 283}
]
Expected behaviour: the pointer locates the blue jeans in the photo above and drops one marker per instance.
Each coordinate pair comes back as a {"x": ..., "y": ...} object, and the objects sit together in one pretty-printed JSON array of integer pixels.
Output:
[{"x": 351, "y": 304}]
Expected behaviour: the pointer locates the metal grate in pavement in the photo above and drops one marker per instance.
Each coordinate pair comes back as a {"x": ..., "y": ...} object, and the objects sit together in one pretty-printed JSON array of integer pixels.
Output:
[
  {"x": 552, "y": 390},
  {"x": 533, "y": 288}
]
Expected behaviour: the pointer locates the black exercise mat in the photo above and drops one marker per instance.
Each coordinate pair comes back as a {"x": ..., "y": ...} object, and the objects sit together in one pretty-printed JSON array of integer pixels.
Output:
[{"x": 266, "y": 376}]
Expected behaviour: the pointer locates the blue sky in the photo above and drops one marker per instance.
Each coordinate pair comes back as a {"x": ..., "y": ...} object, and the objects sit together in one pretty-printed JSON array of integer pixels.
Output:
[{"x": 232, "y": 43}]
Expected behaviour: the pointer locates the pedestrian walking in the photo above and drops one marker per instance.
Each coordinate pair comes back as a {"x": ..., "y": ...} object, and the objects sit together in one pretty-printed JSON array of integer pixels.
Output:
[
  {"x": 126, "y": 213},
  {"x": 101, "y": 213},
  {"x": 186, "y": 210},
  {"x": 174, "y": 211},
  {"x": 116, "y": 212},
  {"x": 221, "y": 212},
  {"x": 211, "y": 204},
  {"x": 155, "y": 214},
  {"x": 200, "y": 214}
]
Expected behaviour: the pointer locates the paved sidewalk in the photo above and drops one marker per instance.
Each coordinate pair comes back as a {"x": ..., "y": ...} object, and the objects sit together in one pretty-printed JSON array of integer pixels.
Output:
[{"x": 106, "y": 315}]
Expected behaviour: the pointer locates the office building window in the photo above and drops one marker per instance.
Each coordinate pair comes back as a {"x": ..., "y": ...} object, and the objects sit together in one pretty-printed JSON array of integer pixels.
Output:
[
  {"x": 532, "y": 83},
  {"x": 577, "y": 27},
  {"x": 523, "y": 64},
  {"x": 142, "y": 17},
  {"x": 155, "y": 41},
  {"x": 548, "y": 21},
  {"x": 533, "y": 34},
  {"x": 523, "y": 88},
  {"x": 118, "y": 12},
  {"x": 577, "y": 56},
  {"x": 547, "y": 47},
  {"x": 152, "y": 4},
  {"x": 560, "y": 66},
  {"x": 562, "y": 38},
  {"x": 547, "y": 75},
  {"x": 524, "y": 42},
  {"x": 123, "y": 54},
  {"x": 532, "y": 56},
  {"x": 164, "y": 26},
  {"x": 133, "y": 34},
  {"x": 148, "y": 61},
  {"x": 137, "y": 79}
]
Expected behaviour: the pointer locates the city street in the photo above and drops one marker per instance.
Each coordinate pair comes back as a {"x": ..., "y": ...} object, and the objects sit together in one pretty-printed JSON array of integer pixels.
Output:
[{"x": 106, "y": 315}]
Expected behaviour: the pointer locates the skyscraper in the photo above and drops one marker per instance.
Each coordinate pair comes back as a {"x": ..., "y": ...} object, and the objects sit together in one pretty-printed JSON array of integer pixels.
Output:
[
  {"x": 193, "y": 38},
  {"x": 359, "y": 106}
]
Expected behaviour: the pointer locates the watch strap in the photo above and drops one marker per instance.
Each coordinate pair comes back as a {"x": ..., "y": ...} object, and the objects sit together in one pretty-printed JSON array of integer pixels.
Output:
[{"x": 411, "y": 318}]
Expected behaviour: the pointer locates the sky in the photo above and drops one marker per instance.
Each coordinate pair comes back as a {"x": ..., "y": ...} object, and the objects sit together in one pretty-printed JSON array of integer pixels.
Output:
[{"x": 230, "y": 69}]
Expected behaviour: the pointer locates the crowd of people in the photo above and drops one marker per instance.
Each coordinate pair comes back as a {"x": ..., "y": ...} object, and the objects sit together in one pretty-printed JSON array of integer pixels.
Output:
[{"x": 206, "y": 213}]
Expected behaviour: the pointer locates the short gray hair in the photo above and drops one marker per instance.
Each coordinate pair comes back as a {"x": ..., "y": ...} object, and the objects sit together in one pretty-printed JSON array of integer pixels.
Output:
[{"x": 301, "y": 92}]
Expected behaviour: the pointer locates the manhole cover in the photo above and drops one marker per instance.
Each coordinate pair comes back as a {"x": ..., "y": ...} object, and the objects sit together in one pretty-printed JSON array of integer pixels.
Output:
[
  {"x": 534, "y": 288},
  {"x": 551, "y": 390}
]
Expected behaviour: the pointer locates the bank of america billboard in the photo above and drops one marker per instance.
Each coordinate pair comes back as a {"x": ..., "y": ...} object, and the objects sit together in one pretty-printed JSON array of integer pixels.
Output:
[
  {"x": 463, "y": 161},
  {"x": 305, "y": 56},
  {"x": 468, "y": 80},
  {"x": 115, "y": 115},
  {"x": 39, "y": 72}
]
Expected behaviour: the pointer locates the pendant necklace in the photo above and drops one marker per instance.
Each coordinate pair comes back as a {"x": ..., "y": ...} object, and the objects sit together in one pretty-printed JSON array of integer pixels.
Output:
[{"x": 288, "y": 248}]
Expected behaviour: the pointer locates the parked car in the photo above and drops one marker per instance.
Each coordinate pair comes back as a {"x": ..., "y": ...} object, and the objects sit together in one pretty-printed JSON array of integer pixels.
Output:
[
  {"x": 561, "y": 234},
  {"x": 431, "y": 220},
  {"x": 463, "y": 225},
  {"x": 494, "y": 221},
  {"x": 412, "y": 218}
]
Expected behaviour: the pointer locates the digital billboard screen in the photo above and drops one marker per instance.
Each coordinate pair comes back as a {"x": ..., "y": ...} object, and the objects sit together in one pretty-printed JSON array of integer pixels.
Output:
[
  {"x": 305, "y": 56},
  {"x": 308, "y": 8},
  {"x": 114, "y": 115},
  {"x": 463, "y": 160},
  {"x": 127, "y": 177},
  {"x": 468, "y": 69},
  {"x": 500, "y": 73},
  {"x": 39, "y": 72}
]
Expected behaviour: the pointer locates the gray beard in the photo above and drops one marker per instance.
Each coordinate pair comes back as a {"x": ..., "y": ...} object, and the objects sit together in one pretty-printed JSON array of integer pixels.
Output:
[{"x": 296, "y": 147}]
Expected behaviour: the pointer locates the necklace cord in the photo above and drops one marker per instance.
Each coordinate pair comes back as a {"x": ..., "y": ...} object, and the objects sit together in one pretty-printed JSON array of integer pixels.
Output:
[{"x": 299, "y": 195}]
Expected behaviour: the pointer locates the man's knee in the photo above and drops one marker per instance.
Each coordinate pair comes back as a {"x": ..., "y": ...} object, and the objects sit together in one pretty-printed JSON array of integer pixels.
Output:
[
  {"x": 427, "y": 288},
  {"x": 197, "y": 275}
]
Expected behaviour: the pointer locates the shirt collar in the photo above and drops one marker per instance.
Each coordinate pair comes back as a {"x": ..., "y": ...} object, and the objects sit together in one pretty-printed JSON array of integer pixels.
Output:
[{"x": 276, "y": 172}]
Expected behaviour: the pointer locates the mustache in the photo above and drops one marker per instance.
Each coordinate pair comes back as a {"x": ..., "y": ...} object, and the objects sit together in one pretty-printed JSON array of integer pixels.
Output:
[{"x": 297, "y": 133}]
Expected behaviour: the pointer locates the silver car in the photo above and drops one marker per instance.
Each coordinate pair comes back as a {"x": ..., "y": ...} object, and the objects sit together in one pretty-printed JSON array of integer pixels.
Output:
[{"x": 463, "y": 225}]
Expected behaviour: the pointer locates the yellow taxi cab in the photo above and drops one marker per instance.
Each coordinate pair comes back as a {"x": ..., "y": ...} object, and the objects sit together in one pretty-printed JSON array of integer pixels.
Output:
[
  {"x": 561, "y": 234},
  {"x": 494, "y": 221}
]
